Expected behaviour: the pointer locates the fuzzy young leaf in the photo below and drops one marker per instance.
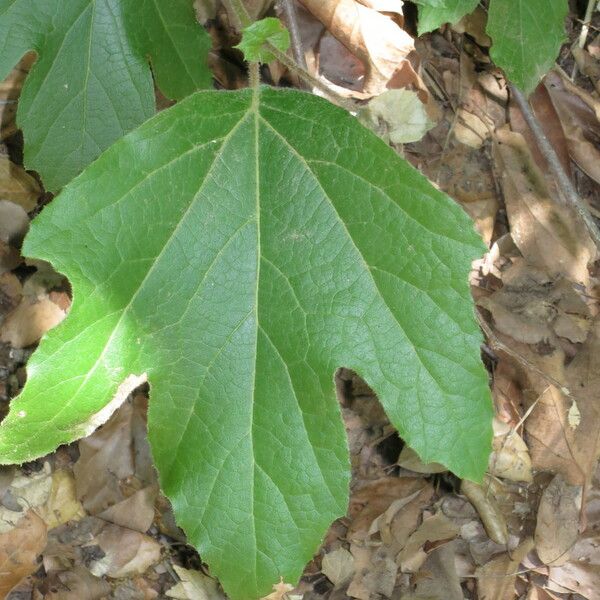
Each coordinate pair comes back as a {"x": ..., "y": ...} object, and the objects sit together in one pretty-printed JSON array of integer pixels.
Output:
[
  {"x": 237, "y": 249},
  {"x": 431, "y": 16},
  {"x": 526, "y": 35},
  {"x": 255, "y": 36},
  {"x": 92, "y": 82}
]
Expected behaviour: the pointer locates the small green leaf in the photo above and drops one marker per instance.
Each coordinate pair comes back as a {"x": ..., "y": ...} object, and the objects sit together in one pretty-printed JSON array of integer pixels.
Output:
[
  {"x": 237, "y": 249},
  {"x": 526, "y": 35},
  {"x": 452, "y": 11},
  {"x": 432, "y": 3},
  {"x": 255, "y": 36},
  {"x": 92, "y": 82}
]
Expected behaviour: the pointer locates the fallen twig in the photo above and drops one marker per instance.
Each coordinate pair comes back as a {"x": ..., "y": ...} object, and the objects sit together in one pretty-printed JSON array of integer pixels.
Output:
[{"x": 564, "y": 183}]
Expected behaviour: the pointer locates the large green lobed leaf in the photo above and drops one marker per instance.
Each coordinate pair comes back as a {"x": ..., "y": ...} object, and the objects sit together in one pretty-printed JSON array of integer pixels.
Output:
[
  {"x": 238, "y": 248},
  {"x": 526, "y": 35},
  {"x": 92, "y": 82}
]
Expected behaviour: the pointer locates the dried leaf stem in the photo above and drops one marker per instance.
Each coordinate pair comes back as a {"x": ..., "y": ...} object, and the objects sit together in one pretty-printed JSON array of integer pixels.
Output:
[
  {"x": 291, "y": 19},
  {"x": 566, "y": 186}
]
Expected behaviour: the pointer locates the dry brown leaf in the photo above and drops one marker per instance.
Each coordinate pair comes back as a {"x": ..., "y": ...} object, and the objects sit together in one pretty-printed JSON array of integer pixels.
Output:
[
  {"x": 14, "y": 223},
  {"x": 437, "y": 578},
  {"x": 27, "y": 323},
  {"x": 588, "y": 65},
  {"x": 25, "y": 492},
  {"x": 410, "y": 460},
  {"x": 114, "y": 453},
  {"x": 496, "y": 579},
  {"x": 75, "y": 584},
  {"x": 372, "y": 37},
  {"x": 16, "y": 185},
  {"x": 548, "y": 118},
  {"x": 11, "y": 293},
  {"x": 338, "y": 566},
  {"x": 580, "y": 118},
  {"x": 490, "y": 514},
  {"x": 554, "y": 444},
  {"x": 19, "y": 549},
  {"x": 558, "y": 521},
  {"x": 10, "y": 89},
  {"x": 126, "y": 552},
  {"x": 279, "y": 592},
  {"x": 432, "y": 530},
  {"x": 375, "y": 576},
  {"x": 62, "y": 504},
  {"x": 135, "y": 512},
  {"x": 510, "y": 457},
  {"x": 372, "y": 499},
  {"x": 550, "y": 236},
  {"x": 195, "y": 585}
]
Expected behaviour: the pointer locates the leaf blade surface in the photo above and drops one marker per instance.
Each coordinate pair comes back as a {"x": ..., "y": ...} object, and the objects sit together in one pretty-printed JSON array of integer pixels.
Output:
[
  {"x": 92, "y": 83},
  {"x": 261, "y": 243}
]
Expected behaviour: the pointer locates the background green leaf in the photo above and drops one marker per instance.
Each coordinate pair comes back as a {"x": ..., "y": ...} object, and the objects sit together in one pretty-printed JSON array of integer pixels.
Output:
[
  {"x": 526, "y": 36},
  {"x": 92, "y": 82},
  {"x": 256, "y": 35},
  {"x": 452, "y": 11},
  {"x": 238, "y": 249}
]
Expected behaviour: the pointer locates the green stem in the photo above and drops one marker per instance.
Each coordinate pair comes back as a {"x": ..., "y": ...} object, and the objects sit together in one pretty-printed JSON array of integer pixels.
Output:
[{"x": 254, "y": 75}]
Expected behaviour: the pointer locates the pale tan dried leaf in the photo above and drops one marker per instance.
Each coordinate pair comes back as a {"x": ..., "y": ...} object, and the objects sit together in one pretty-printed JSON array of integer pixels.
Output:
[
  {"x": 410, "y": 460},
  {"x": 574, "y": 416},
  {"x": 195, "y": 585},
  {"x": 27, "y": 323},
  {"x": 338, "y": 566},
  {"x": 62, "y": 504},
  {"x": 496, "y": 580},
  {"x": 279, "y": 592},
  {"x": 14, "y": 223},
  {"x": 588, "y": 65},
  {"x": 19, "y": 549},
  {"x": 558, "y": 521},
  {"x": 490, "y": 514},
  {"x": 16, "y": 185},
  {"x": 548, "y": 234},
  {"x": 24, "y": 492},
  {"x": 437, "y": 528},
  {"x": 391, "y": 6},
  {"x": 397, "y": 116},
  {"x": 371, "y": 36},
  {"x": 510, "y": 457}
]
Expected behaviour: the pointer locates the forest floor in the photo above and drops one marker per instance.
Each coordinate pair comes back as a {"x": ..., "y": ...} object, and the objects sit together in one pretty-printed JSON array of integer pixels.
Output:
[{"x": 100, "y": 528}]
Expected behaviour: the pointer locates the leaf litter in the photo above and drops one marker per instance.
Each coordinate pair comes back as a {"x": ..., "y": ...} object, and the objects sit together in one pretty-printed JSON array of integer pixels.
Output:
[{"x": 89, "y": 520}]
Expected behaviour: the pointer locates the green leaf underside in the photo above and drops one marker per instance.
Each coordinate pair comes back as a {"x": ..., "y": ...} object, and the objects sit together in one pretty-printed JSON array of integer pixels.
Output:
[
  {"x": 526, "y": 36},
  {"x": 239, "y": 249},
  {"x": 431, "y": 17},
  {"x": 92, "y": 82},
  {"x": 258, "y": 34}
]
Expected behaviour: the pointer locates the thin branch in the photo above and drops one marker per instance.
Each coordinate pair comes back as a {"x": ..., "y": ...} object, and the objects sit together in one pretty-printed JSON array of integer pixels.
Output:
[
  {"x": 291, "y": 19},
  {"x": 562, "y": 179},
  {"x": 285, "y": 60}
]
